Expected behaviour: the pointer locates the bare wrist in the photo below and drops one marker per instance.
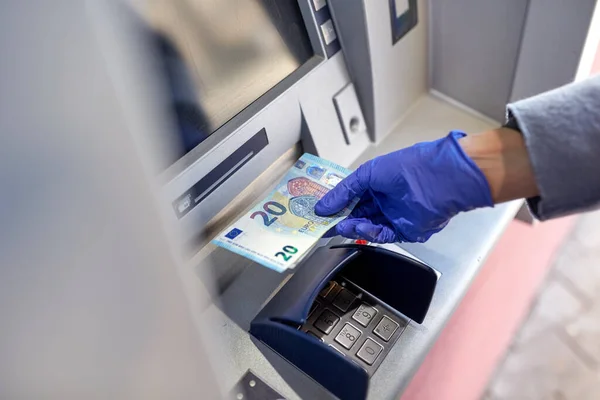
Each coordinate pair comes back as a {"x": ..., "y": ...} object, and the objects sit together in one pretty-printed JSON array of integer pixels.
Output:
[{"x": 502, "y": 156}]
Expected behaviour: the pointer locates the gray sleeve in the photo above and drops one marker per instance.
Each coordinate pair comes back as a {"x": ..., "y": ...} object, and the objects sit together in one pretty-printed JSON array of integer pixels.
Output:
[{"x": 562, "y": 134}]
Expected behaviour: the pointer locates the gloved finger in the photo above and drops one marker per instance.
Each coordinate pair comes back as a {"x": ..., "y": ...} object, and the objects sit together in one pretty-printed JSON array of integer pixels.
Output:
[
  {"x": 331, "y": 232},
  {"x": 365, "y": 208},
  {"x": 354, "y": 185},
  {"x": 416, "y": 236},
  {"x": 376, "y": 233},
  {"x": 347, "y": 227}
]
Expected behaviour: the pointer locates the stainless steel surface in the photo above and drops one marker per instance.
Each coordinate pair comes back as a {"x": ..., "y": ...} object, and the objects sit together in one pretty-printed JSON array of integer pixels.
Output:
[
  {"x": 187, "y": 165},
  {"x": 301, "y": 104},
  {"x": 474, "y": 51},
  {"x": 389, "y": 77},
  {"x": 549, "y": 57},
  {"x": 352, "y": 29},
  {"x": 307, "y": 103},
  {"x": 349, "y": 112},
  {"x": 230, "y": 52}
]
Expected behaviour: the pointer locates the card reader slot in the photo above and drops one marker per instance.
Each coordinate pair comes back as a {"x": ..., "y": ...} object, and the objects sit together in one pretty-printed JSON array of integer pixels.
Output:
[{"x": 218, "y": 175}]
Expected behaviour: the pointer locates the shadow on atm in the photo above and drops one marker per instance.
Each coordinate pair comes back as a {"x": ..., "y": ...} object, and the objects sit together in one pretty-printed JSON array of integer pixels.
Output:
[{"x": 192, "y": 123}]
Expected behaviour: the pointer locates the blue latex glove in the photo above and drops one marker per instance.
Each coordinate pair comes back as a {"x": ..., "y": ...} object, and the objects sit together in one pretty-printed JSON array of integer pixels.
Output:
[{"x": 410, "y": 194}]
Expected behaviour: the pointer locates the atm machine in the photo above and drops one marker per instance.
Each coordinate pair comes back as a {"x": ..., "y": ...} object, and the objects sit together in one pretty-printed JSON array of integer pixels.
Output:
[
  {"x": 251, "y": 85},
  {"x": 248, "y": 86}
]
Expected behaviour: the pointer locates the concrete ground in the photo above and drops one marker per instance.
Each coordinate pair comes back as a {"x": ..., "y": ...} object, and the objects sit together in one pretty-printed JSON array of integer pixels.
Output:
[{"x": 556, "y": 353}]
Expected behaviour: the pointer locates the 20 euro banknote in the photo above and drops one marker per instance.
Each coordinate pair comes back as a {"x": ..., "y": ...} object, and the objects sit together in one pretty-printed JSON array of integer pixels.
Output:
[{"x": 283, "y": 227}]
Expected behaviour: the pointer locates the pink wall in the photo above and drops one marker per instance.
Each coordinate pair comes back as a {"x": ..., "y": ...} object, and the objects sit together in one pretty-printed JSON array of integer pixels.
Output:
[{"x": 464, "y": 357}]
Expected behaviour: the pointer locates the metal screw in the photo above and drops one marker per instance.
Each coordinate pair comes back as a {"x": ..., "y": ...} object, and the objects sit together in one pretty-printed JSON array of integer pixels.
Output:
[
  {"x": 239, "y": 396},
  {"x": 252, "y": 383}
]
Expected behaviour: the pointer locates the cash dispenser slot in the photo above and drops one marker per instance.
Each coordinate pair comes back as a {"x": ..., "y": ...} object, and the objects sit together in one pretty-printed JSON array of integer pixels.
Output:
[{"x": 342, "y": 311}]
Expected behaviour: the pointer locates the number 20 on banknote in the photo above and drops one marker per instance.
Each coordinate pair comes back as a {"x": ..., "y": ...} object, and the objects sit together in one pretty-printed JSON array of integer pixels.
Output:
[
  {"x": 274, "y": 208},
  {"x": 282, "y": 227}
]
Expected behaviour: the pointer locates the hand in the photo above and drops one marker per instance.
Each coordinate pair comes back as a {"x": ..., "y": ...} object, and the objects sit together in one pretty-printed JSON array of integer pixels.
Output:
[{"x": 410, "y": 194}]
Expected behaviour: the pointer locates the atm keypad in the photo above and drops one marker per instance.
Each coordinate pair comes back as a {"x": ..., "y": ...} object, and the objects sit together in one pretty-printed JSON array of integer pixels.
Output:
[{"x": 354, "y": 324}]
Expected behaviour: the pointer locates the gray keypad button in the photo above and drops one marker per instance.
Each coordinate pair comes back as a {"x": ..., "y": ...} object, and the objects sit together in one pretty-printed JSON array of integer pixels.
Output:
[
  {"x": 364, "y": 314},
  {"x": 369, "y": 351},
  {"x": 326, "y": 321},
  {"x": 348, "y": 336},
  {"x": 344, "y": 299},
  {"x": 386, "y": 328}
]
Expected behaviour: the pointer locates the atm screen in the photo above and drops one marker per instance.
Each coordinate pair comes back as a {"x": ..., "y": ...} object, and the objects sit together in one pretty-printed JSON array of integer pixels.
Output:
[{"x": 218, "y": 56}]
